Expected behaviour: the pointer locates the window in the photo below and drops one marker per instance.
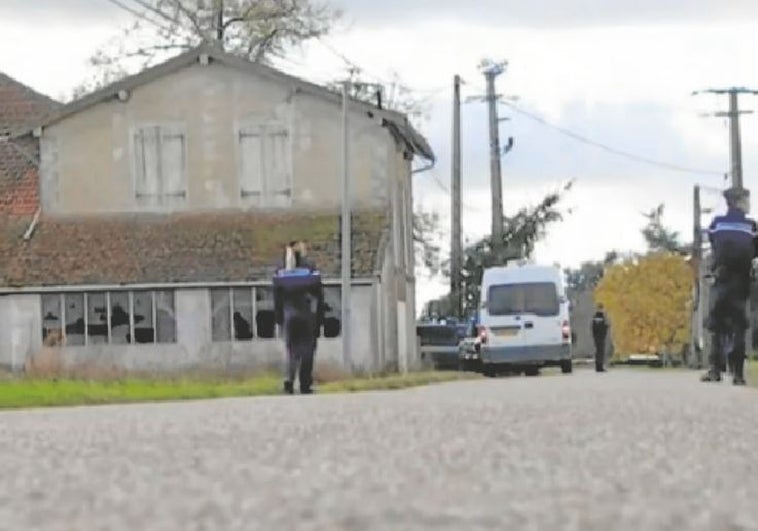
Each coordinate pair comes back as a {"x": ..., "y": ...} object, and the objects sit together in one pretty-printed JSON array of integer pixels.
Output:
[
  {"x": 265, "y": 320},
  {"x": 74, "y": 313},
  {"x": 332, "y": 312},
  {"x": 159, "y": 166},
  {"x": 144, "y": 329},
  {"x": 51, "y": 315},
  {"x": 265, "y": 177},
  {"x": 116, "y": 317},
  {"x": 97, "y": 318},
  {"x": 120, "y": 322},
  {"x": 242, "y": 314},
  {"x": 165, "y": 317},
  {"x": 539, "y": 299}
]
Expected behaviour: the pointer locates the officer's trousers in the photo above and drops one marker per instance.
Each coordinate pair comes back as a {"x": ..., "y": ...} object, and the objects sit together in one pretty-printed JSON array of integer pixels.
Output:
[
  {"x": 728, "y": 314},
  {"x": 599, "y": 353},
  {"x": 300, "y": 341}
]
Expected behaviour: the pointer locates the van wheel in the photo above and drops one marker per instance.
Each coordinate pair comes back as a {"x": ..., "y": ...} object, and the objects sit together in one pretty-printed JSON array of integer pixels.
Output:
[
  {"x": 532, "y": 371},
  {"x": 488, "y": 370},
  {"x": 566, "y": 366}
]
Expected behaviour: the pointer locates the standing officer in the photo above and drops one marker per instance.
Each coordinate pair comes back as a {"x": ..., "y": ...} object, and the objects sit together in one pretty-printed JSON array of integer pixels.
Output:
[
  {"x": 599, "y": 334},
  {"x": 299, "y": 309},
  {"x": 734, "y": 245}
]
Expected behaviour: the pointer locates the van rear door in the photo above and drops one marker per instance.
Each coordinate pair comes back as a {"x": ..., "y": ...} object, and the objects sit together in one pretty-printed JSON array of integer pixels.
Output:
[
  {"x": 504, "y": 320},
  {"x": 542, "y": 314}
]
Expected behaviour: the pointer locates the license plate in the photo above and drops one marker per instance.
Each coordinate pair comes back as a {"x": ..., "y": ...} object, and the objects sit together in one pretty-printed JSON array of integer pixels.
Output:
[{"x": 506, "y": 332}]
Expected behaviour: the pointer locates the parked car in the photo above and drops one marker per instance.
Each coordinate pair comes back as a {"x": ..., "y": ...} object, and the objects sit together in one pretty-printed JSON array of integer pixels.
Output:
[{"x": 439, "y": 343}]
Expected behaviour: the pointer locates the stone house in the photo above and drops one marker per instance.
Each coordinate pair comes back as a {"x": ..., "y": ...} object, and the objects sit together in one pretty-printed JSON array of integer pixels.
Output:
[{"x": 163, "y": 203}]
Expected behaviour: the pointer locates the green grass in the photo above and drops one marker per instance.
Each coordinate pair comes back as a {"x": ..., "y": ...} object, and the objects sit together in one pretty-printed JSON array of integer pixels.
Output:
[
  {"x": 751, "y": 374},
  {"x": 22, "y": 393}
]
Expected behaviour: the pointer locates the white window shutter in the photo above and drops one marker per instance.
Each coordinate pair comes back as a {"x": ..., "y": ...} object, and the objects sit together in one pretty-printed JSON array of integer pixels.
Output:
[
  {"x": 251, "y": 165},
  {"x": 278, "y": 177},
  {"x": 173, "y": 174},
  {"x": 147, "y": 162}
]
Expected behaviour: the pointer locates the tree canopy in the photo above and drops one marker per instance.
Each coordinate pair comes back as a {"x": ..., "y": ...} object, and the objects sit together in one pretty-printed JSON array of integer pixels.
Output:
[{"x": 648, "y": 300}]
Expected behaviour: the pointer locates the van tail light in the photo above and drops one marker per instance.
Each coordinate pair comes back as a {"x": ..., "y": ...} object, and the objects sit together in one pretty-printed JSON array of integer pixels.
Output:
[
  {"x": 566, "y": 331},
  {"x": 482, "y": 335}
]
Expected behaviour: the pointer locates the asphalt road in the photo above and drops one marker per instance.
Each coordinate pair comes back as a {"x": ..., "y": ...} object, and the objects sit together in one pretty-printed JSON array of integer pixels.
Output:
[{"x": 623, "y": 450}]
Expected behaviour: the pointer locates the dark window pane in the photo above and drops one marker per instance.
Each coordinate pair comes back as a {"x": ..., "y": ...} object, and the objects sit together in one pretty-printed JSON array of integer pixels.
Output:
[
  {"x": 120, "y": 333},
  {"x": 332, "y": 311},
  {"x": 513, "y": 299},
  {"x": 165, "y": 319},
  {"x": 51, "y": 316},
  {"x": 97, "y": 319},
  {"x": 243, "y": 313},
  {"x": 265, "y": 322},
  {"x": 143, "y": 317},
  {"x": 220, "y": 315},
  {"x": 74, "y": 318}
]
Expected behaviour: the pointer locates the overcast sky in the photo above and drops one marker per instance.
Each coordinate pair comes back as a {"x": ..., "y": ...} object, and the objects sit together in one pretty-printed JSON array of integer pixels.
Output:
[{"x": 617, "y": 71}]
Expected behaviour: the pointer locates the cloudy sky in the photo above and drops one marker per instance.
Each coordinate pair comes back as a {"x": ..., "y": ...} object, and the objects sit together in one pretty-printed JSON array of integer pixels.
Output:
[{"x": 619, "y": 72}]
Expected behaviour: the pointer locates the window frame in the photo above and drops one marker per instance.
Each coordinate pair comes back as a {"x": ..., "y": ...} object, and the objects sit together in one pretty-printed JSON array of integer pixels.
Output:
[
  {"x": 163, "y": 198},
  {"x": 61, "y": 298},
  {"x": 273, "y": 195}
]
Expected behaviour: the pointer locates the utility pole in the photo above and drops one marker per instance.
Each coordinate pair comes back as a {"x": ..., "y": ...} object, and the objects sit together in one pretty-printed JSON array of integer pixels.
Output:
[
  {"x": 696, "y": 341},
  {"x": 735, "y": 141},
  {"x": 491, "y": 72},
  {"x": 346, "y": 231},
  {"x": 220, "y": 23},
  {"x": 456, "y": 245}
]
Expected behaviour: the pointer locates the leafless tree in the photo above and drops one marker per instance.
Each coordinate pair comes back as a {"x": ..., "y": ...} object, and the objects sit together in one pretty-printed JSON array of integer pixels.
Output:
[{"x": 255, "y": 29}]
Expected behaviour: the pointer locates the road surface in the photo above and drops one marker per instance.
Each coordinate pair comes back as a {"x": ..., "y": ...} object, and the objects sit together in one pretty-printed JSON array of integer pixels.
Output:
[{"x": 623, "y": 450}]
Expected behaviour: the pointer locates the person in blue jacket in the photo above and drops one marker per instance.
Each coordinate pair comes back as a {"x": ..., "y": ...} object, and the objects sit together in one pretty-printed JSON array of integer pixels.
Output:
[
  {"x": 734, "y": 245},
  {"x": 300, "y": 313}
]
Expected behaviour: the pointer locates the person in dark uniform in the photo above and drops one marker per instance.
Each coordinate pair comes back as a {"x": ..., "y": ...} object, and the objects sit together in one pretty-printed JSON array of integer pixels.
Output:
[
  {"x": 299, "y": 310},
  {"x": 599, "y": 334},
  {"x": 734, "y": 245}
]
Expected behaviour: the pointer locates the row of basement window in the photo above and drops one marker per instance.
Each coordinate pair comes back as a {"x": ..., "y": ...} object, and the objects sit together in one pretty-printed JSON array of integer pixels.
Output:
[{"x": 148, "y": 317}]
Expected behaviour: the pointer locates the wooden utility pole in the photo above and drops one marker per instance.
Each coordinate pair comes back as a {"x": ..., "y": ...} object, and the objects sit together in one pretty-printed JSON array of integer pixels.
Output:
[
  {"x": 220, "y": 22},
  {"x": 491, "y": 72},
  {"x": 696, "y": 340},
  {"x": 456, "y": 244},
  {"x": 346, "y": 230}
]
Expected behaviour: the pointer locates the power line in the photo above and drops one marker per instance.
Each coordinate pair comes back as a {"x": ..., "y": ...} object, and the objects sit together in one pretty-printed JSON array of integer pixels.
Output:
[
  {"x": 138, "y": 14},
  {"x": 609, "y": 149}
]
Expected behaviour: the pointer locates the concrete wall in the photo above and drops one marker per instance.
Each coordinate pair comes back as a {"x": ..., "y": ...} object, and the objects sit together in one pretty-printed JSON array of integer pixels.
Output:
[
  {"x": 21, "y": 336},
  {"x": 20, "y": 329},
  {"x": 88, "y": 158}
]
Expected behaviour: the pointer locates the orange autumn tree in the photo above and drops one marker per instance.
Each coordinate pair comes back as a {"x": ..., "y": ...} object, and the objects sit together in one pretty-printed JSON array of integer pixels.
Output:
[{"x": 648, "y": 301}]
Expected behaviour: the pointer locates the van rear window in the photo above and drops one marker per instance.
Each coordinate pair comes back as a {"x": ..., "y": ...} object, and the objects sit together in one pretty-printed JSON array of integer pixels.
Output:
[{"x": 514, "y": 299}]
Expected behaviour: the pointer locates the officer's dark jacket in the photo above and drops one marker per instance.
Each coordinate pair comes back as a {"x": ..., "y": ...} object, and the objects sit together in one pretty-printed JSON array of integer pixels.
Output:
[
  {"x": 599, "y": 325},
  {"x": 302, "y": 301},
  {"x": 734, "y": 243}
]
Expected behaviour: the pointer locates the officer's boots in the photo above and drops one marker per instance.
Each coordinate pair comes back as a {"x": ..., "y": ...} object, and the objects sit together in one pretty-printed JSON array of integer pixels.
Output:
[{"x": 713, "y": 375}]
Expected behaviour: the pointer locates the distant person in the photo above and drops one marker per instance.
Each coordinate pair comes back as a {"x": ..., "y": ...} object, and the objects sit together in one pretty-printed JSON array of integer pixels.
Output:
[
  {"x": 734, "y": 244},
  {"x": 599, "y": 334},
  {"x": 299, "y": 309}
]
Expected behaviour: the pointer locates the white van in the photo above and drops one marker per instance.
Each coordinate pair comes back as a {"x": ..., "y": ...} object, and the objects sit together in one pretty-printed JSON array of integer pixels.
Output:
[{"x": 524, "y": 319}]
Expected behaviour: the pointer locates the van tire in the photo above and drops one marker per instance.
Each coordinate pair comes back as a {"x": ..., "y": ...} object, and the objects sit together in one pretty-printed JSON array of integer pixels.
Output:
[
  {"x": 567, "y": 367},
  {"x": 532, "y": 371},
  {"x": 488, "y": 370}
]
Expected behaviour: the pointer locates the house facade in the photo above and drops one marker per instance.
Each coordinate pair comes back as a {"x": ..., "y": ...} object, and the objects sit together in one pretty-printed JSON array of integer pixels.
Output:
[{"x": 164, "y": 204}]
